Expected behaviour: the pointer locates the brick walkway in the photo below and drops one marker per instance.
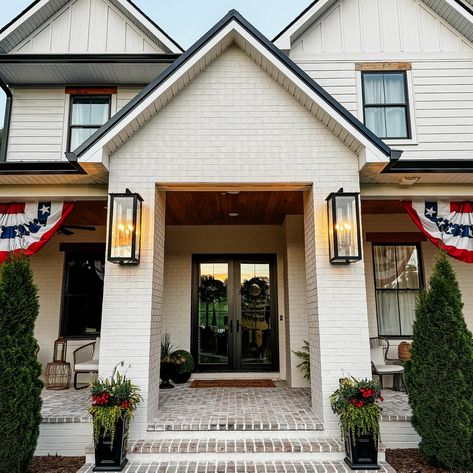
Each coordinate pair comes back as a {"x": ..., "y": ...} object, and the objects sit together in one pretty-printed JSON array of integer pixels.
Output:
[
  {"x": 278, "y": 408},
  {"x": 212, "y": 409},
  {"x": 237, "y": 467}
]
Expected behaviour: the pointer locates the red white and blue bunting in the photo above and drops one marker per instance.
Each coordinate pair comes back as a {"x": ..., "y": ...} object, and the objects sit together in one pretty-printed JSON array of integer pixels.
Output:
[
  {"x": 27, "y": 227},
  {"x": 449, "y": 225}
]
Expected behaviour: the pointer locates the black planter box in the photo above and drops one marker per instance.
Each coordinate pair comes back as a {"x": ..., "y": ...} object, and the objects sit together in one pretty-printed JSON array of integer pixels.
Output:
[
  {"x": 362, "y": 453},
  {"x": 112, "y": 459}
]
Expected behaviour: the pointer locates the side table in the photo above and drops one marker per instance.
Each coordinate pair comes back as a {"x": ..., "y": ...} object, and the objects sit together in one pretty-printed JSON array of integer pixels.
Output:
[{"x": 57, "y": 375}]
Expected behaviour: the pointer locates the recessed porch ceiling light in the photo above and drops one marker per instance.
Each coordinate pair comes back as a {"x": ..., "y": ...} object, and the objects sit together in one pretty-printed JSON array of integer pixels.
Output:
[{"x": 233, "y": 214}]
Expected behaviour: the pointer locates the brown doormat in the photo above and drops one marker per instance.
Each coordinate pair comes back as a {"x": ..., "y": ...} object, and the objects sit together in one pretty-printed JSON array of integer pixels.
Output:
[{"x": 232, "y": 383}]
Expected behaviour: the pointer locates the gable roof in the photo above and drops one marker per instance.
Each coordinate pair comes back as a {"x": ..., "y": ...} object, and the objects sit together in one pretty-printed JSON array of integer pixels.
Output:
[
  {"x": 233, "y": 29},
  {"x": 40, "y": 11},
  {"x": 456, "y": 12}
]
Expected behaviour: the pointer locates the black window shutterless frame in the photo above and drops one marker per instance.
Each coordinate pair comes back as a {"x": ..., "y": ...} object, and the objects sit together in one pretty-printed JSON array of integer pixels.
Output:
[
  {"x": 89, "y": 126},
  {"x": 234, "y": 312},
  {"x": 404, "y": 105},
  {"x": 420, "y": 269}
]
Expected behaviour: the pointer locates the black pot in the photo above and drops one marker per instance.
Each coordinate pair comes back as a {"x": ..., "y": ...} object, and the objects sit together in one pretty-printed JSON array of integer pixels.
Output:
[
  {"x": 362, "y": 452},
  {"x": 180, "y": 378},
  {"x": 110, "y": 457},
  {"x": 166, "y": 372}
]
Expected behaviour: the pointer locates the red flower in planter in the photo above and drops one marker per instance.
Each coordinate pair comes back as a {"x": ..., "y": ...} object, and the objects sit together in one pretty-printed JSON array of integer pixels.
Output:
[
  {"x": 125, "y": 405},
  {"x": 100, "y": 400}
]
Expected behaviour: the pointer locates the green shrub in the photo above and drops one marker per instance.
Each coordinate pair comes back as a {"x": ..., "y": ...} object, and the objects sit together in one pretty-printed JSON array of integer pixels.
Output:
[
  {"x": 439, "y": 377},
  {"x": 183, "y": 361},
  {"x": 304, "y": 355},
  {"x": 20, "y": 393}
]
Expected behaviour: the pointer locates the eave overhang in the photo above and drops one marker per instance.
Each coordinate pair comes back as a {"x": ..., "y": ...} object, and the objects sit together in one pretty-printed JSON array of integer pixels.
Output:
[
  {"x": 429, "y": 166},
  {"x": 77, "y": 69},
  {"x": 40, "y": 168}
]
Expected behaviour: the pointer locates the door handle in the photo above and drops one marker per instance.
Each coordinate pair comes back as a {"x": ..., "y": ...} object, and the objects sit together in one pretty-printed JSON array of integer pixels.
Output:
[
  {"x": 231, "y": 326},
  {"x": 238, "y": 326}
]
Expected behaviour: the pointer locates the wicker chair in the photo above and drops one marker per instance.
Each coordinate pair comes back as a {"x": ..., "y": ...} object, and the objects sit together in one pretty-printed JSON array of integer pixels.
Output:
[
  {"x": 86, "y": 361},
  {"x": 379, "y": 358}
]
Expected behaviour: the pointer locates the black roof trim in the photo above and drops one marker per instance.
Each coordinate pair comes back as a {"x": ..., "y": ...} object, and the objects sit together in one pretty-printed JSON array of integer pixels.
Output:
[
  {"x": 164, "y": 58},
  {"x": 429, "y": 166},
  {"x": 33, "y": 4},
  {"x": 40, "y": 168},
  {"x": 466, "y": 7},
  {"x": 295, "y": 20},
  {"x": 233, "y": 15}
]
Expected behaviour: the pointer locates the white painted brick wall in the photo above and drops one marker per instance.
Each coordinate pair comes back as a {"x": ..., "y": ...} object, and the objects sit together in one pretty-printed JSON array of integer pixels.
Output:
[{"x": 234, "y": 124}]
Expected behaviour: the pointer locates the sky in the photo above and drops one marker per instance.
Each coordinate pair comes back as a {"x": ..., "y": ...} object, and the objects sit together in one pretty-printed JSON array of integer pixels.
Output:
[{"x": 187, "y": 20}]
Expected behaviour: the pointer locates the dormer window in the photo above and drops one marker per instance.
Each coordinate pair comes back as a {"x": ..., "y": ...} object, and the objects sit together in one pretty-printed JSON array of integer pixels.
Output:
[
  {"x": 386, "y": 104},
  {"x": 87, "y": 114}
]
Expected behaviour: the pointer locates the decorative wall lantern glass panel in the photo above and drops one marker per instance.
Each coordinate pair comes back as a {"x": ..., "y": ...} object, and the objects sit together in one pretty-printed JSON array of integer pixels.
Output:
[
  {"x": 60, "y": 350},
  {"x": 124, "y": 245},
  {"x": 344, "y": 227}
]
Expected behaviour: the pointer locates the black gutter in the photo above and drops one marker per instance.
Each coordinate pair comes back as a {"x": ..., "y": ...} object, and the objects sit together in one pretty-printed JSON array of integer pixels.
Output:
[
  {"x": 233, "y": 15},
  {"x": 88, "y": 58},
  {"x": 429, "y": 166},
  {"x": 6, "y": 121},
  {"x": 38, "y": 168},
  {"x": 295, "y": 20}
]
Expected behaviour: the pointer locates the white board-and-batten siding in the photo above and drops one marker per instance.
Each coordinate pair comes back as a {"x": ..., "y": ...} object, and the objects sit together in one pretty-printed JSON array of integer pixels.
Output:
[
  {"x": 87, "y": 26},
  {"x": 440, "y": 84},
  {"x": 39, "y": 122}
]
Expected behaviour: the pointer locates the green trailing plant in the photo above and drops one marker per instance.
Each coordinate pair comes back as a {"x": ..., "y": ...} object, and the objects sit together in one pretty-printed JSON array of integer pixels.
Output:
[
  {"x": 304, "y": 355},
  {"x": 355, "y": 401},
  {"x": 112, "y": 398},
  {"x": 183, "y": 361},
  {"x": 439, "y": 375},
  {"x": 20, "y": 393}
]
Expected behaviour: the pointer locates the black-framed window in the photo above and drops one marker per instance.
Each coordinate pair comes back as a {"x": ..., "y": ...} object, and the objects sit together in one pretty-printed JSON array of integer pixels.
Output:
[
  {"x": 398, "y": 281},
  {"x": 386, "y": 104},
  {"x": 82, "y": 294},
  {"x": 86, "y": 115}
]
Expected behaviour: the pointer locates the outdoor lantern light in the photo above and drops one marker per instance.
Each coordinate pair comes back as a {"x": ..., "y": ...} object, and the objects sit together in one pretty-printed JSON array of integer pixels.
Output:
[
  {"x": 60, "y": 350},
  {"x": 124, "y": 233},
  {"x": 344, "y": 227}
]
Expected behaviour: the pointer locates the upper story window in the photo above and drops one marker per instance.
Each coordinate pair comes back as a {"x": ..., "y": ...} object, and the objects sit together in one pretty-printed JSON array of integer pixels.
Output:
[
  {"x": 87, "y": 114},
  {"x": 386, "y": 104},
  {"x": 397, "y": 276}
]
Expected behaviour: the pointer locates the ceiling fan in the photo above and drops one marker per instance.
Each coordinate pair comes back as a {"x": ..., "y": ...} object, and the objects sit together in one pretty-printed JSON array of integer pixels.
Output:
[{"x": 66, "y": 230}]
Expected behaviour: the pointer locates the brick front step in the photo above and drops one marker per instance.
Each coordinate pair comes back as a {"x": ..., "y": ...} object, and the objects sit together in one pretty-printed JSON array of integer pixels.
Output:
[
  {"x": 231, "y": 450},
  {"x": 240, "y": 466}
]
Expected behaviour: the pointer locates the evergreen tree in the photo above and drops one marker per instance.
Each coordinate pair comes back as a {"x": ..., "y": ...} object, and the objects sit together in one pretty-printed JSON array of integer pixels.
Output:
[
  {"x": 439, "y": 377},
  {"x": 20, "y": 384}
]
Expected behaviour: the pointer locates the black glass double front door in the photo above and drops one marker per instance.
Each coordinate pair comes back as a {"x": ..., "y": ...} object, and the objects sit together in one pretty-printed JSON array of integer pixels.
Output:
[{"x": 234, "y": 321}]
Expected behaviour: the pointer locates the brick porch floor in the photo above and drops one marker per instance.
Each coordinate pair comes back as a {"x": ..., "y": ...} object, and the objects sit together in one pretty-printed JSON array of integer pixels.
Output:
[{"x": 183, "y": 408}]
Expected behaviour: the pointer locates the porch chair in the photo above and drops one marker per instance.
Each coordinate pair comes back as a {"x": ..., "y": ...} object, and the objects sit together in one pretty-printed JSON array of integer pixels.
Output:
[
  {"x": 86, "y": 360},
  {"x": 379, "y": 358}
]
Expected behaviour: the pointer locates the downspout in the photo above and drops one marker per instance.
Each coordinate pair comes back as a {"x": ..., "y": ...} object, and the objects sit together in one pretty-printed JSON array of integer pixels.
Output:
[{"x": 7, "y": 120}]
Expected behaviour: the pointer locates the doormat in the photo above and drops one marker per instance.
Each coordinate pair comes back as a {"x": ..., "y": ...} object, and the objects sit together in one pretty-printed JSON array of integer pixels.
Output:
[{"x": 232, "y": 383}]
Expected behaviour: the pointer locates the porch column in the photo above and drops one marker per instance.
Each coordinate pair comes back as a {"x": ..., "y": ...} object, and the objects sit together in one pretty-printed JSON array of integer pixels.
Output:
[
  {"x": 295, "y": 297},
  {"x": 131, "y": 320},
  {"x": 337, "y": 310}
]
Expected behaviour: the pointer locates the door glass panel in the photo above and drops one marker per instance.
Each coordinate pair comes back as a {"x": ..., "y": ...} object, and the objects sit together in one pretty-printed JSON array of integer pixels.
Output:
[
  {"x": 213, "y": 314},
  {"x": 255, "y": 297}
]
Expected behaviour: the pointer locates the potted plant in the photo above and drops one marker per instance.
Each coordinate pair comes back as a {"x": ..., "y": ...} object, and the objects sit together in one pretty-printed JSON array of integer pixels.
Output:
[
  {"x": 355, "y": 401},
  {"x": 168, "y": 367},
  {"x": 113, "y": 402},
  {"x": 184, "y": 365}
]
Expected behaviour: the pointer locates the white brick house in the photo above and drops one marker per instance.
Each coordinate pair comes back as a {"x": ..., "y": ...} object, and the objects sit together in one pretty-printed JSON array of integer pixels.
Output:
[{"x": 234, "y": 146}]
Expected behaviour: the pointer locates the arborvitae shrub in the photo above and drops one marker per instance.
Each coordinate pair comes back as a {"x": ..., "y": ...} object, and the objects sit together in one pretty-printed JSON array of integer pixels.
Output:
[
  {"x": 439, "y": 377},
  {"x": 20, "y": 383}
]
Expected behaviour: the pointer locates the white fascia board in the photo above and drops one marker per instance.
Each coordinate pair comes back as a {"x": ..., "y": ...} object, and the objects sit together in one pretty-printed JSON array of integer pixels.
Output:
[
  {"x": 284, "y": 41},
  {"x": 150, "y": 26},
  {"x": 375, "y": 154},
  {"x": 23, "y": 18}
]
